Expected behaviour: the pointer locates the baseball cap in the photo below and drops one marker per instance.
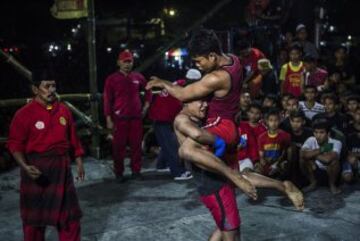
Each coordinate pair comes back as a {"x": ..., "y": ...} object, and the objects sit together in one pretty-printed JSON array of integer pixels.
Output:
[
  {"x": 126, "y": 55},
  {"x": 299, "y": 27},
  {"x": 193, "y": 74}
]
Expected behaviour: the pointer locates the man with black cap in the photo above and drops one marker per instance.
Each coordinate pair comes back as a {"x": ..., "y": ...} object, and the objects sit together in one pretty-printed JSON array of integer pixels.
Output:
[
  {"x": 124, "y": 112},
  {"x": 42, "y": 136}
]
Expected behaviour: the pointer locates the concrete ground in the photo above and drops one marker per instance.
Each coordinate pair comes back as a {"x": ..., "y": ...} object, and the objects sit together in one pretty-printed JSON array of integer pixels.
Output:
[{"x": 159, "y": 209}]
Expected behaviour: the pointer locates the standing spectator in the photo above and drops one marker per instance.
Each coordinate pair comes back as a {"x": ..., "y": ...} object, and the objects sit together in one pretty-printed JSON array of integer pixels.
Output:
[
  {"x": 249, "y": 58},
  {"x": 320, "y": 155},
  {"x": 163, "y": 110},
  {"x": 288, "y": 40},
  {"x": 42, "y": 134},
  {"x": 270, "y": 81},
  {"x": 310, "y": 107},
  {"x": 273, "y": 146},
  {"x": 314, "y": 75},
  {"x": 291, "y": 74},
  {"x": 344, "y": 66},
  {"x": 308, "y": 47},
  {"x": 123, "y": 111},
  {"x": 333, "y": 116}
]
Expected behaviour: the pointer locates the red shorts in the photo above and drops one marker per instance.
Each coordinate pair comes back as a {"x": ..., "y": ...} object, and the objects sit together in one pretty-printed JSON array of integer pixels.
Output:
[
  {"x": 227, "y": 130},
  {"x": 223, "y": 207},
  {"x": 224, "y": 128}
]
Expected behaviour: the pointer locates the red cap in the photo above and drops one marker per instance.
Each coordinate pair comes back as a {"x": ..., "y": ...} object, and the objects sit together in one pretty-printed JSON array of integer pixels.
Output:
[{"x": 126, "y": 55}]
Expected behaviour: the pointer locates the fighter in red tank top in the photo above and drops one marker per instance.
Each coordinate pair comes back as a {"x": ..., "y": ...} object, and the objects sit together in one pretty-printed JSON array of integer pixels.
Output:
[{"x": 227, "y": 106}]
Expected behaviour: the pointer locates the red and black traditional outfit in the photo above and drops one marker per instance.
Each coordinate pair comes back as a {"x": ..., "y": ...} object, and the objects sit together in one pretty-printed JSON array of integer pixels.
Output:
[{"x": 46, "y": 136}]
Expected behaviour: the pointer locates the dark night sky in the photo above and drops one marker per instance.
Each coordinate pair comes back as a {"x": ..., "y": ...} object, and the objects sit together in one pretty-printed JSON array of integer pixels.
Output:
[{"x": 28, "y": 23}]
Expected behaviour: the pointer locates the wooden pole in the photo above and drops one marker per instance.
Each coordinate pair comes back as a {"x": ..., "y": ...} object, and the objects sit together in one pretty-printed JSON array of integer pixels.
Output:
[{"x": 95, "y": 146}]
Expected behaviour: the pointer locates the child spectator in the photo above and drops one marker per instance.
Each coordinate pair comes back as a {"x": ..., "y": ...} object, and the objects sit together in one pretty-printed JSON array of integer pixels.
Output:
[
  {"x": 352, "y": 104},
  {"x": 299, "y": 134},
  {"x": 314, "y": 75},
  {"x": 335, "y": 119},
  {"x": 310, "y": 107},
  {"x": 254, "y": 114},
  {"x": 273, "y": 146},
  {"x": 320, "y": 155},
  {"x": 291, "y": 74}
]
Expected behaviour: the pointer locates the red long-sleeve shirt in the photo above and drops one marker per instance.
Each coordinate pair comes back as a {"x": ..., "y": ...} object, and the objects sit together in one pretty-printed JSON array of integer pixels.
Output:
[
  {"x": 122, "y": 95},
  {"x": 34, "y": 129}
]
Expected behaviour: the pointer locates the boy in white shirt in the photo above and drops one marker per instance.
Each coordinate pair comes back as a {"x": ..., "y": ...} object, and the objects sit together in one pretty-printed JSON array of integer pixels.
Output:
[{"x": 320, "y": 153}]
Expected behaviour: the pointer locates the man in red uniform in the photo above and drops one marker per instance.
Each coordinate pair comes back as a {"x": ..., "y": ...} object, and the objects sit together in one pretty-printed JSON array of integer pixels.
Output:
[
  {"x": 123, "y": 111},
  {"x": 42, "y": 134},
  {"x": 163, "y": 110}
]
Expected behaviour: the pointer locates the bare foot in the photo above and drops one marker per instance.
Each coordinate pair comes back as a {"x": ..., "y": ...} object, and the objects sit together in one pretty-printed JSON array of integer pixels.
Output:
[
  {"x": 295, "y": 195},
  {"x": 310, "y": 188},
  {"x": 245, "y": 185},
  {"x": 335, "y": 190}
]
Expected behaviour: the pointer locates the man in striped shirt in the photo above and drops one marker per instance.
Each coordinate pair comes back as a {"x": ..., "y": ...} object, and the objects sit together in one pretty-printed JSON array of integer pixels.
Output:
[{"x": 309, "y": 106}]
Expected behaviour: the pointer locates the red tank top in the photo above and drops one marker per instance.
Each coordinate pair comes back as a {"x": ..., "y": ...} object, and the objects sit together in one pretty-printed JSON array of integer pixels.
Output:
[{"x": 226, "y": 107}]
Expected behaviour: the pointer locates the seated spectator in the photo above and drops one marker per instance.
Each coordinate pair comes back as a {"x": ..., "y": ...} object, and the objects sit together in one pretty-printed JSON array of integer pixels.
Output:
[
  {"x": 299, "y": 134},
  {"x": 350, "y": 166},
  {"x": 270, "y": 101},
  {"x": 314, "y": 75},
  {"x": 334, "y": 118},
  {"x": 319, "y": 156},
  {"x": 292, "y": 105},
  {"x": 284, "y": 101},
  {"x": 308, "y": 47},
  {"x": 269, "y": 79},
  {"x": 354, "y": 127},
  {"x": 352, "y": 104},
  {"x": 273, "y": 146},
  {"x": 255, "y": 120},
  {"x": 310, "y": 107},
  {"x": 291, "y": 74},
  {"x": 245, "y": 101}
]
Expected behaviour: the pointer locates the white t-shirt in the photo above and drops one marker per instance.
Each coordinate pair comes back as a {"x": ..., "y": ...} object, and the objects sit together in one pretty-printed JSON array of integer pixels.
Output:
[
  {"x": 311, "y": 144},
  {"x": 309, "y": 113}
]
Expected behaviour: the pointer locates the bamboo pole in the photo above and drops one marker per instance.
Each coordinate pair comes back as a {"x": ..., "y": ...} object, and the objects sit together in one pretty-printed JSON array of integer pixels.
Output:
[{"x": 94, "y": 105}]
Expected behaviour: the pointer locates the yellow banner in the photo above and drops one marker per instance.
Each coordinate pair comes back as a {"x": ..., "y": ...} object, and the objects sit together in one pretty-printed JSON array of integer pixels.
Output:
[{"x": 69, "y": 9}]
